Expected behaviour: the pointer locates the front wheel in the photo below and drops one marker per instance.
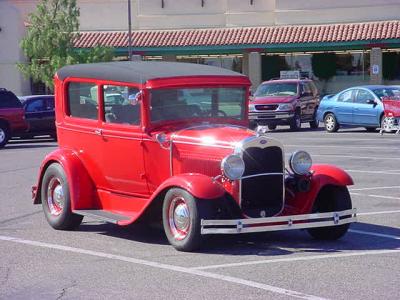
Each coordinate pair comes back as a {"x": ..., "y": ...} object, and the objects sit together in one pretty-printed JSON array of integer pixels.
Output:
[
  {"x": 182, "y": 214},
  {"x": 56, "y": 199},
  {"x": 295, "y": 123},
  {"x": 331, "y": 199},
  {"x": 331, "y": 124}
]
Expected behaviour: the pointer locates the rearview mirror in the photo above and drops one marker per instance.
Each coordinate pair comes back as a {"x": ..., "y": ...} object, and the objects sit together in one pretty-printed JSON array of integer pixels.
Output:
[{"x": 371, "y": 101}]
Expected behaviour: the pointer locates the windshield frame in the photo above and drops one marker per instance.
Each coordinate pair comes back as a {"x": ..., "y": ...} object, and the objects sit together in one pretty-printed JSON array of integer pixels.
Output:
[{"x": 242, "y": 121}]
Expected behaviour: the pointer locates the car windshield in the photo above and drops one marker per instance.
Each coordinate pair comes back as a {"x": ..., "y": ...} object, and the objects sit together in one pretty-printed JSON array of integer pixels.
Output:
[
  {"x": 179, "y": 104},
  {"x": 276, "y": 89},
  {"x": 387, "y": 92}
]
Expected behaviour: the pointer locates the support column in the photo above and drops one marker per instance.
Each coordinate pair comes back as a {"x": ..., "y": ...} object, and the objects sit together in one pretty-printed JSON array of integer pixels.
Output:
[
  {"x": 254, "y": 69},
  {"x": 376, "y": 66},
  {"x": 169, "y": 57}
]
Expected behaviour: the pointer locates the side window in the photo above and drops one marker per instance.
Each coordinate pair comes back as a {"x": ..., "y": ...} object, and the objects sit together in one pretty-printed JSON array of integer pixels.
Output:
[
  {"x": 346, "y": 96},
  {"x": 363, "y": 96},
  {"x": 307, "y": 89},
  {"x": 313, "y": 88},
  {"x": 50, "y": 104},
  {"x": 9, "y": 100},
  {"x": 36, "y": 106},
  {"x": 120, "y": 105},
  {"x": 81, "y": 102}
]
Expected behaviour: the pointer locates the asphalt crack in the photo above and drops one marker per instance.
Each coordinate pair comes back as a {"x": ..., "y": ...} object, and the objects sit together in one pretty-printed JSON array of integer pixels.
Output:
[{"x": 64, "y": 290}]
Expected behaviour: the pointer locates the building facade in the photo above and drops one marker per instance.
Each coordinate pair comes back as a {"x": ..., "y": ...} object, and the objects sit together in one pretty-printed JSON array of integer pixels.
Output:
[{"x": 256, "y": 37}]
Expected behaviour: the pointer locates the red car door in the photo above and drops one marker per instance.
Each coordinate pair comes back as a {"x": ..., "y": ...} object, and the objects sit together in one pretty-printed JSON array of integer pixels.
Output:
[{"x": 120, "y": 140}]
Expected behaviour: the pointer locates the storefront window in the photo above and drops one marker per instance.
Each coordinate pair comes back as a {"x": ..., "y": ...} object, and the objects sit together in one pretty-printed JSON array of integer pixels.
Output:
[
  {"x": 332, "y": 72},
  {"x": 230, "y": 62}
]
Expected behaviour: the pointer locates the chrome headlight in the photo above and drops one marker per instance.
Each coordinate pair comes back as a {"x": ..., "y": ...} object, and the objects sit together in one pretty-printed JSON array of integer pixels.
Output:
[
  {"x": 232, "y": 166},
  {"x": 252, "y": 107},
  {"x": 285, "y": 106},
  {"x": 300, "y": 162}
]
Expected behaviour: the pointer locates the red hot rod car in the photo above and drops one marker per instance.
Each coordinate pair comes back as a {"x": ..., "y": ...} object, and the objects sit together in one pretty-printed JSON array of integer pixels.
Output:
[{"x": 169, "y": 142}]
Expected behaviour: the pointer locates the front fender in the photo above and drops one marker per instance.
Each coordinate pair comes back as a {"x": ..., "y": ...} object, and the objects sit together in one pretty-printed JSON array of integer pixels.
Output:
[
  {"x": 82, "y": 190},
  {"x": 322, "y": 175},
  {"x": 199, "y": 185},
  {"x": 329, "y": 174}
]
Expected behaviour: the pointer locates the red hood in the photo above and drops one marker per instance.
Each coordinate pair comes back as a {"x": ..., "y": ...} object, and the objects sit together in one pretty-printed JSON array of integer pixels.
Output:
[
  {"x": 272, "y": 99},
  {"x": 224, "y": 136}
]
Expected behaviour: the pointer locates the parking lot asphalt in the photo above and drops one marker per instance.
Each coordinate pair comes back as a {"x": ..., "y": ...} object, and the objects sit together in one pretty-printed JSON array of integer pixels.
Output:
[{"x": 102, "y": 261}]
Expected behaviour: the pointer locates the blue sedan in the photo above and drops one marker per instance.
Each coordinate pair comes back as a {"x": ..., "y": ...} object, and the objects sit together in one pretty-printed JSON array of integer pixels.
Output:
[{"x": 356, "y": 106}]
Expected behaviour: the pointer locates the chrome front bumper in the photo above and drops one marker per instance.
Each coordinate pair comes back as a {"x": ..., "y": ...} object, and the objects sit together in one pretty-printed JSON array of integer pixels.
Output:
[{"x": 278, "y": 223}]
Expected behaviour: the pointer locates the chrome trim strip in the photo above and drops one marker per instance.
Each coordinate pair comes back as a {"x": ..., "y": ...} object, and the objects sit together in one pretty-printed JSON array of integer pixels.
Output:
[
  {"x": 262, "y": 174},
  {"x": 290, "y": 222}
]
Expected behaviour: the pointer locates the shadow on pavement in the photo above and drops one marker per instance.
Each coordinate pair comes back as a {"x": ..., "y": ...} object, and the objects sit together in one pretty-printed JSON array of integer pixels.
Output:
[{"x": 262, "y": 244}]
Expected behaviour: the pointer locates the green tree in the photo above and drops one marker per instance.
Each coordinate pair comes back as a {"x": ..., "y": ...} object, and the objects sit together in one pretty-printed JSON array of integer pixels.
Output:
[
  {"x": 48, "y": 44},
  {"x": 324, "y": 67}
]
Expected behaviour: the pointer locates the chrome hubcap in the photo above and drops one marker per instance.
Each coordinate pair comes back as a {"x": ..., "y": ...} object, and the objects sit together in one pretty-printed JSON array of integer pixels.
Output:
[
  {"x": 55, "y": 196},
  {"x": 329, "y": 123},
  {"x": 2, "y": 135},
  {"x": 179, "y": 218}
]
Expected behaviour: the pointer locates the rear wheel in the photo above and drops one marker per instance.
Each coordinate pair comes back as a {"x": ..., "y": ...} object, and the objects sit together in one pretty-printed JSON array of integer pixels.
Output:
[
  {"x": 4, "y": 134},
  {"x": 329, "y": 200},
  {"x": 182, "y": 214},
  {"x": 56, "y": 199},
  {"x": 331, "y": 124},
  {"x": 295, "y": 123}
]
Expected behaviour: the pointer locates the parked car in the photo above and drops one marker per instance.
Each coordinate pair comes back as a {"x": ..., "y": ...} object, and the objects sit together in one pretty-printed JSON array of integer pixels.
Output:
[
  {"x": 39, "y": 113},
  {"x": 285, "y": 102},
  {"x": 12, "y": 117},
  {"x": 356, "y": 106},
  {"x": 192, "y": 165}
]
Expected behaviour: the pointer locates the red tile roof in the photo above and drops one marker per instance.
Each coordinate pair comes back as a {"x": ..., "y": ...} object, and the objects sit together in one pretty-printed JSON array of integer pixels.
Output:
[{"x": 244, "y": 35}]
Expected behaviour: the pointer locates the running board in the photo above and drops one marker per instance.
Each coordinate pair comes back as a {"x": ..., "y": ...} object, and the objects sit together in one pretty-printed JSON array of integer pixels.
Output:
[{"x": 102, "y": 215}]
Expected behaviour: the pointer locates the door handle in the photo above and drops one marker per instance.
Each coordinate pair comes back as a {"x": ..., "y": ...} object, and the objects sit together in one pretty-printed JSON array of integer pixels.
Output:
[{"x": 98, "y": 131}]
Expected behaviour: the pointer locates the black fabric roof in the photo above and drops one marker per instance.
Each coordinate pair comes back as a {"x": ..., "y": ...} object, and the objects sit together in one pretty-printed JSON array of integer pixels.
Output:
[{"x": 140, "y": 71}]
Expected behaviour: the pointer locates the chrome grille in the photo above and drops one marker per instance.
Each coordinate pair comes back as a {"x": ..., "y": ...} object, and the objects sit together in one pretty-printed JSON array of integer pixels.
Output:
[{"x": 262, "y": 185}]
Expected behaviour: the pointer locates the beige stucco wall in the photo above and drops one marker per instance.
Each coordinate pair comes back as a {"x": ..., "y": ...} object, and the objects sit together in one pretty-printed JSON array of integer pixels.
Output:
[
  {"x": 12, "y": 29},
  {"x": 177, "y": 14}
]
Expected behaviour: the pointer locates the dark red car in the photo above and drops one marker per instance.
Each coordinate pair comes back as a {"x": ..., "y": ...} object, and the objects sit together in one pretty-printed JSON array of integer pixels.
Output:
[
  {"x": 12, "y": 116},
  {"x": 285, "y": 102},
  {"x": 175, "y": 148}
]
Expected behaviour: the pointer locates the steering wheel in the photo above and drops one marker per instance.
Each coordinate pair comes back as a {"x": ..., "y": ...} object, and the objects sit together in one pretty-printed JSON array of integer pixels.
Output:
[{"x": 220, "y": 113}]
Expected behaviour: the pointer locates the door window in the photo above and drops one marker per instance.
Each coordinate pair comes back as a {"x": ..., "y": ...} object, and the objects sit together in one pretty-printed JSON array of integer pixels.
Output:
[
  {"x": 121, "y": 105},
  {"x": 81, "y": 102},
  {"x": 36, "y": 106},
  {"x": 363, "y": 96},
  {"x": 346, "y": 96}
]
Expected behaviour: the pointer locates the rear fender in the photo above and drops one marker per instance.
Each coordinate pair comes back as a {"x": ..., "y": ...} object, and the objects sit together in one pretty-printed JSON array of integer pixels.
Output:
[
  {"x": 322, "y": 175},
  {"x": 82, "y": 190}
]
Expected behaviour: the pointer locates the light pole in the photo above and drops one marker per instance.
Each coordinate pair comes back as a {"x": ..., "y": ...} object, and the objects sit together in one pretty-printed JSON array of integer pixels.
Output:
[{"x": 129, "y": 31}]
